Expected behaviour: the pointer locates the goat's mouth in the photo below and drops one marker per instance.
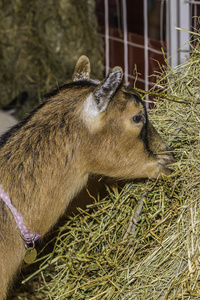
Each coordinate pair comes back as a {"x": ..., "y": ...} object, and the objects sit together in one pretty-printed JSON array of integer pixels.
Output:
[
  {"x": 165, "y": 157},
  {"x": 166, "y": 160},
  {"x": 167, "y": 167}
]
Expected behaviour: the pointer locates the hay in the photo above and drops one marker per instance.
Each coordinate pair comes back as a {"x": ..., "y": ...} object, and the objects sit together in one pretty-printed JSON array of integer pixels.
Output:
[
  {"x": 101, "y": 254},
  {"x": 40, "y": 43}
]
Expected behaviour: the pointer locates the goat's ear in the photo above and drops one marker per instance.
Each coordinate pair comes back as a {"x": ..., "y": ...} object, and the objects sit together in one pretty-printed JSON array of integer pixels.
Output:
[
  {"x": 82, "y": 69},
  {"x": 97, "y": 101},
  {"x": 107, "y": 88}
]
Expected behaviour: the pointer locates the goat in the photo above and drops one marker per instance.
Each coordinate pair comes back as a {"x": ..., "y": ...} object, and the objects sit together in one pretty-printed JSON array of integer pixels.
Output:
[{"x": 85, "y": 127}]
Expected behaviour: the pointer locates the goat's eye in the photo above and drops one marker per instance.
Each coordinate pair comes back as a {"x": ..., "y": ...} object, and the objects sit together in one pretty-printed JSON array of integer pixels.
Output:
[{"x": 137, "y": 118}]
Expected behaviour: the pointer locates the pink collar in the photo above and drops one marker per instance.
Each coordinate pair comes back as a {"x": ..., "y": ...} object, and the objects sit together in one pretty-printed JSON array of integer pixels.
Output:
[{"x": 27, "y": 236}]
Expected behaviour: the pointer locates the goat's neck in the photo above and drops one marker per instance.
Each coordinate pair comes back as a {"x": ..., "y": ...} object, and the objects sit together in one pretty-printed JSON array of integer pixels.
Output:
[
  {"x": 43, "y": 195},
  {"x": 53, "y": 201}
]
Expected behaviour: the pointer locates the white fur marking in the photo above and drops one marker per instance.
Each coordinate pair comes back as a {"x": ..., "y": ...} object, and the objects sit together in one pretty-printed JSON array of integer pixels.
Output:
[
  {"x": 90, "y": 107},
  {"x": 90, "y": 114}
]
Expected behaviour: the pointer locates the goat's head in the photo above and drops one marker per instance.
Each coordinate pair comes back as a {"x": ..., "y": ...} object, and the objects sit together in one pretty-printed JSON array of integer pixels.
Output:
[{"x": 120, "y": 141}]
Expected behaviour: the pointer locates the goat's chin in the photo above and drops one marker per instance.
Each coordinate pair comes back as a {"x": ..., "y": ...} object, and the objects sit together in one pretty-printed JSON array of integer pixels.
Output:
[{"x": 162, "y": 170}]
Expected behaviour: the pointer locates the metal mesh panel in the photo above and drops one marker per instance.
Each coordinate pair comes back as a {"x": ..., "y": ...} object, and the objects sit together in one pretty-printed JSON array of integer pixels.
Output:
[{"x": 136, "y": 32}]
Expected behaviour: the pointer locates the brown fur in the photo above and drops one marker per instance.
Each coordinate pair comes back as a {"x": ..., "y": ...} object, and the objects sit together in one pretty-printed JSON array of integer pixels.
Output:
[{"x": 83, "y": 128}]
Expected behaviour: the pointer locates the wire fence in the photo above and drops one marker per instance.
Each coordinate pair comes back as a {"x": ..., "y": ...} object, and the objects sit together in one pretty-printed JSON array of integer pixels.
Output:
[{"x": 136, "y": 33}]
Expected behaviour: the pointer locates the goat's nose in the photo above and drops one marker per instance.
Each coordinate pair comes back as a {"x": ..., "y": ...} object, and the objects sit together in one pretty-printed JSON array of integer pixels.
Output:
[{"x": 166, "y": 158}]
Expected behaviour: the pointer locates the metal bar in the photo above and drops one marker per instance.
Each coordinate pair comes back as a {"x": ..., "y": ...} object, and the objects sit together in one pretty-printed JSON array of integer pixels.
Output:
[
  {"x": 146, "y": 58},
  {"x": 107, "y": 48},
  {"x": 178, "y": 15},
  {"x": 192, "y": 2},
  {"x": 125, "y": 29},
  {"x": 172, "y": 36},
  {"x": 184, "y": 37},
  {"x": 131, "y": 44}
]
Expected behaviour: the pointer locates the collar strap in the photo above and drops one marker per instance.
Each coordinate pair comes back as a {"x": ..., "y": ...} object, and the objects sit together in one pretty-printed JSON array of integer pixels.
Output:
[{"x": 27, "y": 236}]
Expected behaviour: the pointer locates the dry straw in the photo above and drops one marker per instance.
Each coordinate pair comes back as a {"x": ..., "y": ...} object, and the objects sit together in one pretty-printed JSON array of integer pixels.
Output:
[
  {"x": 40, "y": 44},
  {"x": 142, "y": 241}
]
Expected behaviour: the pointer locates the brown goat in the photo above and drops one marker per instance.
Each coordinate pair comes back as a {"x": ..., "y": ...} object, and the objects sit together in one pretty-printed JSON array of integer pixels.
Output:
[{"x": 85, "y": 127}]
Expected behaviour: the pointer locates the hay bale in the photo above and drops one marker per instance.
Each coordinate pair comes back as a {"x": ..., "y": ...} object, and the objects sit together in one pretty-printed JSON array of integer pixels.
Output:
[
  {"x": 40, "y": 43},
  {"x": 95, "y": 257}
]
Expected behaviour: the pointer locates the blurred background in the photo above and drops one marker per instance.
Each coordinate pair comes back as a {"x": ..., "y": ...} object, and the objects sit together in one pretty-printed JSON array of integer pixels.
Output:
[{"x": 40, "y": 42}]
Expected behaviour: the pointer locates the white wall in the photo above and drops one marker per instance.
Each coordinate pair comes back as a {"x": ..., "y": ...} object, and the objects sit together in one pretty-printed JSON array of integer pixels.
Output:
[{"x": 6, "y": 121}]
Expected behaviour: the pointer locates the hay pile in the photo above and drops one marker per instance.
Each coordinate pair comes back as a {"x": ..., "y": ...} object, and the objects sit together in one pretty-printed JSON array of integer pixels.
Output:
[
  {"x": 40, "y": 43},
  {"x": 101, "y": 254}
]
